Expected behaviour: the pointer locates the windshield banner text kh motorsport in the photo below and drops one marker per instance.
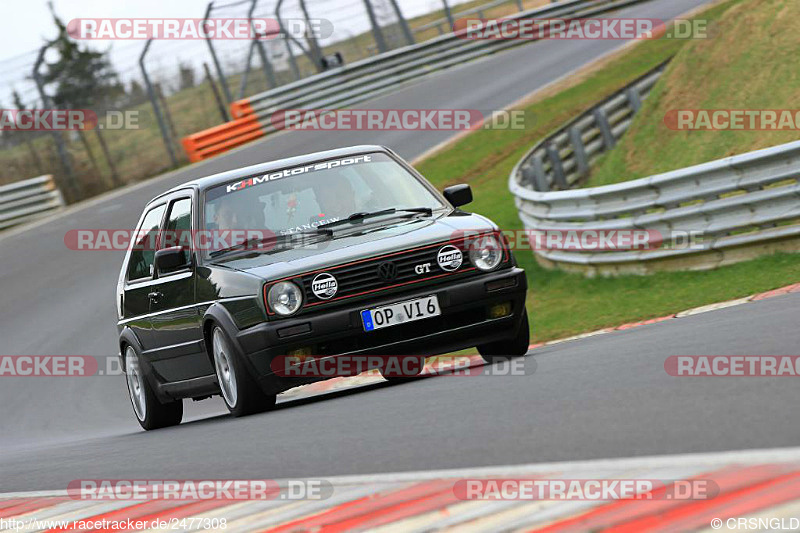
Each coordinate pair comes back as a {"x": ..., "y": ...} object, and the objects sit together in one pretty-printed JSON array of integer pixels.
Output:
[{"x": 325, "y": 165}]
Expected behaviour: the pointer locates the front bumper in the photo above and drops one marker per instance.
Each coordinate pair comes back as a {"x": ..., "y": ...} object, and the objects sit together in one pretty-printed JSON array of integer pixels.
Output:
[{"x": 464, "y": 323}]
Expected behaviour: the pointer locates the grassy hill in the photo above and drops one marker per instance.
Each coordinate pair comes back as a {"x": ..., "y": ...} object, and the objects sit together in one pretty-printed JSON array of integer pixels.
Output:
[
  {"x": 749, "y": 61},
  {"x": 562, "y": 303}
]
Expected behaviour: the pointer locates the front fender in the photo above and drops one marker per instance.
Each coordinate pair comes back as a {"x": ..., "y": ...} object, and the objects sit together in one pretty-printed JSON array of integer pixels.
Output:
[{"x": 218, "y": 315}]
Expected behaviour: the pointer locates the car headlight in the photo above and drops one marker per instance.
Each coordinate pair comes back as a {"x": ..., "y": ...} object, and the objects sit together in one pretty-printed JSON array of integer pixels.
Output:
[
  {"x": 486, "y": 252},
  {"x": 285, "y": 298}
]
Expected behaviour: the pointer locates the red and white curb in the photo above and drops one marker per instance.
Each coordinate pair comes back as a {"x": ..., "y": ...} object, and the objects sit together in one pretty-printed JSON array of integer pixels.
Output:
[{"x": 752, "y": 484}]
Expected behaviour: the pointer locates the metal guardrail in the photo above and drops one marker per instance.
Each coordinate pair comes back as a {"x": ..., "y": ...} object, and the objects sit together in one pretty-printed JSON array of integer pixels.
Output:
[
  {"x": 25, "y": 200},
  {"x": 366, "y": 78},
  {"x": 371, "y": 77},
  {"x": 563, "y": 159},
  {"x": 730, "y": 210}
]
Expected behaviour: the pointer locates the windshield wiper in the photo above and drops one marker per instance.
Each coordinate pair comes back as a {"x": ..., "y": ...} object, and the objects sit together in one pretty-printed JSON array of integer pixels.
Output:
[
  {"x": 322, "y": 229},
  {"x": 361, "y": 216},
  {"x": 273, "y": 239}
]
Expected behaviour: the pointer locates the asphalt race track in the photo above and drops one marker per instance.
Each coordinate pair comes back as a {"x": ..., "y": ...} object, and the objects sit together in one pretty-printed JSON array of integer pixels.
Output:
[
  {"x": 600, "y": 397},
  {"x": 605, "y": 396}
]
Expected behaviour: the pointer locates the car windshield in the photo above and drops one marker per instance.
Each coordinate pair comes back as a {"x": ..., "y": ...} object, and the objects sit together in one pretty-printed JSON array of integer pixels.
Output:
[{"x": 299, "y": 199}]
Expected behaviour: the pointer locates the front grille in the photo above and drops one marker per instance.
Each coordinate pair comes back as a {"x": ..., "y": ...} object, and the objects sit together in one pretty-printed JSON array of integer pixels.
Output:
[{"x": 363, "y": 277}]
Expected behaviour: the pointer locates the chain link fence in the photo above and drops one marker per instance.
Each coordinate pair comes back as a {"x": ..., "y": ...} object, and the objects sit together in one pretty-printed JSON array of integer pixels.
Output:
[{"x": 173, "y": 88}]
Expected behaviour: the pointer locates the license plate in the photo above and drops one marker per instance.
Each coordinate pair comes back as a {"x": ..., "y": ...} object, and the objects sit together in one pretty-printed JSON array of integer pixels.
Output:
[{"x": 400, "y": 313}]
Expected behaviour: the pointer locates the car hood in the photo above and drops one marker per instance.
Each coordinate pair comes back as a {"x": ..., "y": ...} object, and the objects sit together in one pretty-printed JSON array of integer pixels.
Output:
[{"x": 352, "y": 244}]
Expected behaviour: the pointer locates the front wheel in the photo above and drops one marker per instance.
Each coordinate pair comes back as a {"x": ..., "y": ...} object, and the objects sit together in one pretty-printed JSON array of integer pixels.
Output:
[
  {"x": 241, "y": 393},
  {"x": 149, "y": 411},
  {"x": 400, "y": 369},
  {"x": 508, "y": 349}
]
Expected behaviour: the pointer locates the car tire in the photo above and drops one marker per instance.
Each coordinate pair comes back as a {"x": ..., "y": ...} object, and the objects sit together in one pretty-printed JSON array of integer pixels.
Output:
[
  {"x": 399, "y": 379},
  {"x": 392, "y": 378},
  {"x": 404, "y": 378},
  {"x": 150, "y": 412},
  {"x": 240, "y": 392},
  {"x": 508, "y": 349}
]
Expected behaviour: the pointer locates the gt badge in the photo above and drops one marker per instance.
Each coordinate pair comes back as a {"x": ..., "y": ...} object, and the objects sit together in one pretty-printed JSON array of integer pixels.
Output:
[{"x": 424, "y": 268}]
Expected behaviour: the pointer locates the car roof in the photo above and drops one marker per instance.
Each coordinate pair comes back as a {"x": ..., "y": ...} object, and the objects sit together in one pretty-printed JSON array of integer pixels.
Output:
[{"x": 262, "y": 168}]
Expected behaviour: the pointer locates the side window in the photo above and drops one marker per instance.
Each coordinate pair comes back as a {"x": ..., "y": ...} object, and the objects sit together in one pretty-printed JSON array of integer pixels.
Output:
[
  {"x": 140, "y": 265},
  {"x": 178, "y": 229}
]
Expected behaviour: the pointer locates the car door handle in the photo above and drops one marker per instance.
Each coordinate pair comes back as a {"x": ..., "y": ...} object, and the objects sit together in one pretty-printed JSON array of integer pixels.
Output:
[{"x": 154, "y": 296}]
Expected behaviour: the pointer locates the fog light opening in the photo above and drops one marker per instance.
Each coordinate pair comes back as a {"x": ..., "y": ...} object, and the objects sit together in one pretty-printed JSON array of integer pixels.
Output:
[
  {"x": 301, "y": 354},
  {"x": 500, "y": 310}
]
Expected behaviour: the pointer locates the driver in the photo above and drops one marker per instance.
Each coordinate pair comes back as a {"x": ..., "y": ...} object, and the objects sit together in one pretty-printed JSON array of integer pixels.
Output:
[
  {"x": 240, "y": 212},
  {"x": 336, "y": 198},
  {"x": 226, "y": 217}
]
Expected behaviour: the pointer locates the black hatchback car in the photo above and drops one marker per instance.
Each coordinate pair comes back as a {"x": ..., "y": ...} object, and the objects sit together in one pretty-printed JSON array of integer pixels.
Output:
[{"x": 344, "y": 252}]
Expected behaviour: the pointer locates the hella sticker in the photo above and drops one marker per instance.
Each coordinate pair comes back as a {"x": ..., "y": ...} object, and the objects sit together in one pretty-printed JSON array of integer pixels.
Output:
[
  {"x": 324, "y": 286},
  {"x": 449, "y": 258}
]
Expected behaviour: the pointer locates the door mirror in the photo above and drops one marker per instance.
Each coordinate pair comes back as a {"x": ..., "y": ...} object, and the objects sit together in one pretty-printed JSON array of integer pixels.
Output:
[
  {"x": 171, "y": 259},
  {"x": 458, "y": 195}
]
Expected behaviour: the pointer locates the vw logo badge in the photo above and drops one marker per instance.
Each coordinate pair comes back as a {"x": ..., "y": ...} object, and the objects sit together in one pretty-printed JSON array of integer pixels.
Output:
[
  {"x": 449, "y": 258},
  {"x": 387, "y": 271},
  {"x": 324, "y": 286}
]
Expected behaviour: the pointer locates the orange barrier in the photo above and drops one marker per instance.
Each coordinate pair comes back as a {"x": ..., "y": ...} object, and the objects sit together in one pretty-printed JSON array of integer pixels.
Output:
[
  {"x": 213, "y": 141},
  {"x": 241, "y": 108}
]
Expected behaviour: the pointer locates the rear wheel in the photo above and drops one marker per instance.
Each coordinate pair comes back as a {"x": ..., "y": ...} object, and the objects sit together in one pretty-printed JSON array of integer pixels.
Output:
[
  {"x": 241, "y": 393},
  {"x": 508, "y": 349},
  {"x": 149, "y": 411}
]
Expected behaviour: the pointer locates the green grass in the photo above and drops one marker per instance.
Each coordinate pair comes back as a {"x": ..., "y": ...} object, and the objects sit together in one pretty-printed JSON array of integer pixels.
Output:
[
  {"x": 564, "y": 304},
  {"x": 750, "y": 61}
]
